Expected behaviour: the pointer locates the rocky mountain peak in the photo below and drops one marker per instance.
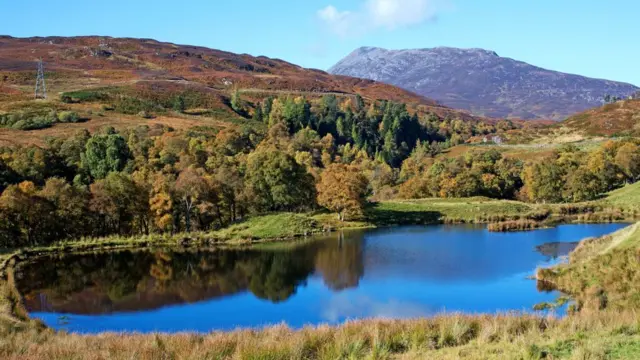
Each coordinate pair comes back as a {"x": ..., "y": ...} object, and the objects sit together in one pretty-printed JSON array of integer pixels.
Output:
[{"x": 481, "y": 81}]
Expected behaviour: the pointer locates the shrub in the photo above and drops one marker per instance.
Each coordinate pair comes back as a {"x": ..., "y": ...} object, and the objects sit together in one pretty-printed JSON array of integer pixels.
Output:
[
  {"x": 68, "y": 117},
  {"x": 131, "y": 106},
  {"x": 32, "y": 124},
  {"x": 145, "y": 115},
  {"x": 575, "y": 209},
  {"x": 85, "y": 96}
]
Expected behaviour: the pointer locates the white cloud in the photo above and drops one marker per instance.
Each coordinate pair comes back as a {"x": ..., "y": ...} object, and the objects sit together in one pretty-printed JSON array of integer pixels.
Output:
[
  {"x": 339, "y": 22},
  {"x": 374, "y": 14},
  {"x": 399, "y": 13}
]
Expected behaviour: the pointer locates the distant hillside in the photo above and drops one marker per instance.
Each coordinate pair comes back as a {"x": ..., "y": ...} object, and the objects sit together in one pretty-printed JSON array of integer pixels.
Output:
[
  {"x": 74, "y": 63},
  {"x": 481, "y": 81},
  {"x": 620, "y": 118}
]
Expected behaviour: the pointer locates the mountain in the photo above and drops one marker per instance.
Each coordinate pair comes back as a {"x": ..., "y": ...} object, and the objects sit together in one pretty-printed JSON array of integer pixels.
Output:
[
  {"x": 74, "y": 63},
  {"x": 481, "y": 81}
]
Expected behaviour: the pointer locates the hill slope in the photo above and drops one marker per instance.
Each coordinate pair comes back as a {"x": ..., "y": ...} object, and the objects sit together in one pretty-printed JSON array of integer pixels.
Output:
[
  {"x": 80, "y": 62},
  {"x": 481, "y": 81},
  {"x": 619, "y": 118}
]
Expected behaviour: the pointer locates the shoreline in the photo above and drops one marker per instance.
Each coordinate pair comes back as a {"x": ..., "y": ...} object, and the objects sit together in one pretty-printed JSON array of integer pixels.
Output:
[{"x": 21, "y": 323}]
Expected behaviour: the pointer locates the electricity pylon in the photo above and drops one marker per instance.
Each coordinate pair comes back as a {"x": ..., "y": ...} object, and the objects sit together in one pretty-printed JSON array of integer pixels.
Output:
[{"x": 41, "y": 88}]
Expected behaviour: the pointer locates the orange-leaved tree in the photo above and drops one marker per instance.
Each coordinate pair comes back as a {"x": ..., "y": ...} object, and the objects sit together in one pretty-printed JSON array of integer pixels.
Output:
[{"x": 343, "y": 189}]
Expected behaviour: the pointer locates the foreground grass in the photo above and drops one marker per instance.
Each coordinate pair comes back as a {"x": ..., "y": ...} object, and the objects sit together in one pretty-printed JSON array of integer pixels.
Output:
[{"x": 600, "y": 336}]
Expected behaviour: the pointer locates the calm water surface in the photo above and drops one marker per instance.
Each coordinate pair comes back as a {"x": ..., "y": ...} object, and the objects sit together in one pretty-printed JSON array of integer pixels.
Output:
[{"x": 396, "y": 273}]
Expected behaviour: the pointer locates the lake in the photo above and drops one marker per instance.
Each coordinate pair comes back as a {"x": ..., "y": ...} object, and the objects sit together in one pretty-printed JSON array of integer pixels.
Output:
[{"x": 402, "y": 272}]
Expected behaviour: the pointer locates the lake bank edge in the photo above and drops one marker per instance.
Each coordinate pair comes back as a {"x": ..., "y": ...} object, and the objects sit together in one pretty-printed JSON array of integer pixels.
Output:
[{"x": 18, "y": 320}]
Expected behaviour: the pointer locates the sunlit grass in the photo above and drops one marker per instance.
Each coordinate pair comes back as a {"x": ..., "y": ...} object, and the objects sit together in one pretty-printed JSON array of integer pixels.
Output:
[
  {"x": 602, "y": 273},
  {"x": 441, "y": 337}
]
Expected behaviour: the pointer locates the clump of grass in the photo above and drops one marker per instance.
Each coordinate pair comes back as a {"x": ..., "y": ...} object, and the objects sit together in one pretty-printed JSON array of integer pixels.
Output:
[{"x": 518, "y": 225}]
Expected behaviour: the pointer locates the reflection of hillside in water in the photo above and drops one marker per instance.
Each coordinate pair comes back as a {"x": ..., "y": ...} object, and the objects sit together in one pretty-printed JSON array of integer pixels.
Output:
[
  {"x": 133, "y": 281},
  {"x": 555, "y": 250}
]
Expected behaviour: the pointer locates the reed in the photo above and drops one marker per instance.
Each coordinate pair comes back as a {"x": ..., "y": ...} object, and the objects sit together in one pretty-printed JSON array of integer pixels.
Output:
[{"x": 517, "y": 225}]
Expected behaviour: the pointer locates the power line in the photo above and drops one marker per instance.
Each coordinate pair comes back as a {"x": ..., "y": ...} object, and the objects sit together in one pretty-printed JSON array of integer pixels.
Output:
[{"x": 41, "y": 88}]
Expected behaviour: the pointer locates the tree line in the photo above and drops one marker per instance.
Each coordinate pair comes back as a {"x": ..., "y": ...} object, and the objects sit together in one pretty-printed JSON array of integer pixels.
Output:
[
  {"x": 332, "y": 154},
  {"x": 567, "y": 175}
]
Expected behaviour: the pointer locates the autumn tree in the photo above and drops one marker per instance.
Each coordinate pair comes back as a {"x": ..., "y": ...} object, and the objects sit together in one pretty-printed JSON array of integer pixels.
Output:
[
  {"x": 120, "y": 204},
  {"x": 581, "y": 185},
  {"x": 343, "y": 189},
  {"x": 628, "y": 160},
  {"x": 71, "y": 206},
  {"x": 31, "y": 214},
  {"x": 600, "y": 163},
  {"x": 232, "y": 191},
  {"x": 162, "y": 201},
  {"x": 278, "y": 183},
  {"x": 544, "y": 182},
  {"x": 191, "y": 188}
]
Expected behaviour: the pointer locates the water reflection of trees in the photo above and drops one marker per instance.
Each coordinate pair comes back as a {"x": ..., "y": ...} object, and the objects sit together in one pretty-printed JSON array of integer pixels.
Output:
[
  {"x": 132, "y": 281},
  {"x": 341, "y": 262}
]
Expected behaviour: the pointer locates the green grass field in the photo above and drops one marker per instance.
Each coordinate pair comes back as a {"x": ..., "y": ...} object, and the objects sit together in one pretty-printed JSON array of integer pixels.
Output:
[
  {"x": 274, "y": 226},
  {"x": 475, "y": 209},
  {"x": 628, "y": 196}
]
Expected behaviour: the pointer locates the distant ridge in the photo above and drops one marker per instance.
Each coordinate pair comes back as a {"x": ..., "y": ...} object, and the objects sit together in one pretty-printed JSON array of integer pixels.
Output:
[{"x": 481, "y": 81}]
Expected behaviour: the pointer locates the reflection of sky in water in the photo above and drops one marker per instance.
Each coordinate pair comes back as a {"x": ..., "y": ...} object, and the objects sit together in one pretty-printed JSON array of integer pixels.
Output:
[{"x": 408, "y": 272}]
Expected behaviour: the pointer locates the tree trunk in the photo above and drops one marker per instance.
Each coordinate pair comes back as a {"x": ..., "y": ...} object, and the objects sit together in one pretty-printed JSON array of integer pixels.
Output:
[{"x": 187, "y": 215}]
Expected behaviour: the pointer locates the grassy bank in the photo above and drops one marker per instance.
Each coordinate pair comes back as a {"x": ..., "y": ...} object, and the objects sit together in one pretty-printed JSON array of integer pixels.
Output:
[
  {"x": 429, "y": 211},
  {"x": 602, "y": 273},
  {"x": 627, "y": 197}
]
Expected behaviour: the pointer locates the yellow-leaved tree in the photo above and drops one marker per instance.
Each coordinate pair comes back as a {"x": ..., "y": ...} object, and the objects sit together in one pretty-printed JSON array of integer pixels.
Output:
[{"x": 343, "y": 189}]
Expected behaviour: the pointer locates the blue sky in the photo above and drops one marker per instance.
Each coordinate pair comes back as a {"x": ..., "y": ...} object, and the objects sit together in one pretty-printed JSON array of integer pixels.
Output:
[{"x": 587, "y": 37}]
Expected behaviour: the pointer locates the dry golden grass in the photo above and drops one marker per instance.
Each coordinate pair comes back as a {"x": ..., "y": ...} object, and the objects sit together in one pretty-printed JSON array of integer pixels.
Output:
[
  {"x": 442, "y": 337},
  {"x": 611, "y": 119}
]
